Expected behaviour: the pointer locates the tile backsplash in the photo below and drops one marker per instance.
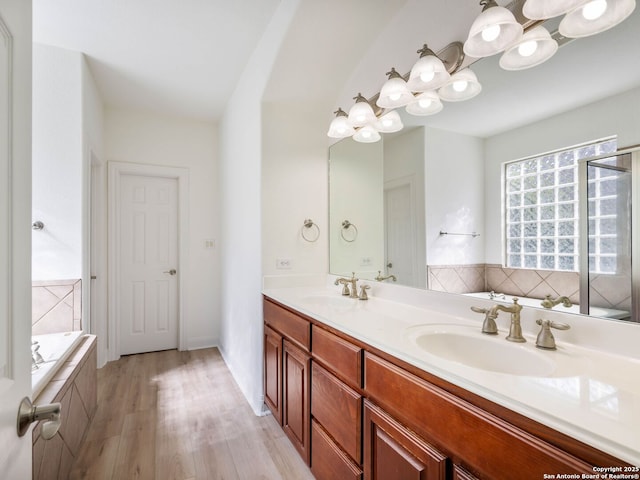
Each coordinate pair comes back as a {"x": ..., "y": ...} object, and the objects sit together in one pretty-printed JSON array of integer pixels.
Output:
[
  {"x": 605, "y": 289},
  {"x": 56, "y": 306}
]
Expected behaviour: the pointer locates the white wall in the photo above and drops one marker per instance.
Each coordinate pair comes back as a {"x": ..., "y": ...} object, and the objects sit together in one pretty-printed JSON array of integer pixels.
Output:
[
  {"x": 454, "y": 179},
  {"x": 618, "y": 115},
  {"x": 294, "y": 188},
  {"x": 57, "y": 163},
  {"x": 137, "y": 137},
  {"x": 356, "y": 195},
  {"x": 240, "y": 187}
]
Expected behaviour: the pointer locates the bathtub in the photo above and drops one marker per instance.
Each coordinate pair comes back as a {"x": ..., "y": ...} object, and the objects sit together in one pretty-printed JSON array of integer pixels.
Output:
[
  {"x": 54, "y": 349},
  {"x": 535, "y": 302}
]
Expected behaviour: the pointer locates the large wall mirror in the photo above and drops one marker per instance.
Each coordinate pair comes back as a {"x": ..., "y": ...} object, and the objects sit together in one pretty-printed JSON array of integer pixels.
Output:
[{"x": 427, "y": 207}]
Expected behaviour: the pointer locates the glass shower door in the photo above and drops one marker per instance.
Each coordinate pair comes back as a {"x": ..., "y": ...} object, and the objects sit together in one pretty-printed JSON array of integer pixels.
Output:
[{"x": 606, "y": 273}]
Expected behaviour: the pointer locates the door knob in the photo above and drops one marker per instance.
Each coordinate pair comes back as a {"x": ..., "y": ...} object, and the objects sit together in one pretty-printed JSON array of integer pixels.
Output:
[
  {"x": 29, "y": 413},
  {"x": 389, "y": 265},
  {"x": 173, "y": 271}
]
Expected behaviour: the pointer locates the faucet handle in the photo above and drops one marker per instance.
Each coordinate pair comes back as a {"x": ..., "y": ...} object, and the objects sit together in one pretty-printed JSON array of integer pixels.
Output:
[
  {"x": 489, "y": 325},
  {"x": 363, "y": 292},
  {"x": 545, "y": 338}
]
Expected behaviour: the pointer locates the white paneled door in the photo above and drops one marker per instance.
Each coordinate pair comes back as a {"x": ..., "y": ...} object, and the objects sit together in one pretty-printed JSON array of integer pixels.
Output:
[
  {"x": 399, "y": 233},
  {"x": 148, "y": 264}
]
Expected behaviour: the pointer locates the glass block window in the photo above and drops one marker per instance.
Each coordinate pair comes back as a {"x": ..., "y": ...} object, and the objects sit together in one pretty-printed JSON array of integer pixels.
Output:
[{"x": 541, "y": 206}]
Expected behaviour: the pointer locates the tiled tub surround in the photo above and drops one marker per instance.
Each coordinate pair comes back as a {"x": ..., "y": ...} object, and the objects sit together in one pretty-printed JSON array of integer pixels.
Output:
[
  {"x": 75, "y": 387},
  {"x": 605, "y": 289},
  {"x": 593, "y": 395},
  {"x": 56, "y": 306}
]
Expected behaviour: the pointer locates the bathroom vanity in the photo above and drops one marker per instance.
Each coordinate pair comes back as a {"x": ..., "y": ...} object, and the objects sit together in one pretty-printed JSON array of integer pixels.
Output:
[{"x": 360, "y": 396}]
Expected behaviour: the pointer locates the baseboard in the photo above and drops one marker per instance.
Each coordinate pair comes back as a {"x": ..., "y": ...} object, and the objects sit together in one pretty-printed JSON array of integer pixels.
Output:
[{"x": 199, "y": 343}]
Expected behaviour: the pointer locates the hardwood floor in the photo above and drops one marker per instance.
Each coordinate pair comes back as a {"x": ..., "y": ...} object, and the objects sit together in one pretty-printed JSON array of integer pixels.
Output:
[{"x": 180, "y": 416}]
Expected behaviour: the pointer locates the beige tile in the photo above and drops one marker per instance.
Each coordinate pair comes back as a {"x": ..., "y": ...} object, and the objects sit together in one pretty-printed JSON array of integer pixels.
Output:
[
  {"x": 526, "y": 280},
  {"x": 42, "y": 300},
  {"x": 51, "y": 459},
  {"x": 565, "y": 283},
  {"x": 58, "y": 319},
  {"x": 66, "y": 462},
  {"x": 76, "y": 423}
]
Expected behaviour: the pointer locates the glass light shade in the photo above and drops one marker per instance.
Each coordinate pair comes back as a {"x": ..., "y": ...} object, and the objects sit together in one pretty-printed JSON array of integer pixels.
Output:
[
  {"x": 428, "y": 73},
  {"x": 595, "y": 16},
  {"x": 535, "y": 47},
  {"x": 390, "y": 122},
  {"x": 543, "y": 9},
  {"x": 366, "y": 134},
  {"x": 340, "y": 126},
  {"x": 427, "y": 103},
  {"x": 494, "y": 30},
  {"x": 394, "y": 92},
  {"x": 361, "y": 113},
  {"x": 463, "y": 85}
]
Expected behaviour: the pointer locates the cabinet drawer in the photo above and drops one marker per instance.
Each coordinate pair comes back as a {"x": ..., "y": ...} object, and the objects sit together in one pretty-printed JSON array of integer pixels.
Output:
[
  {"x": 288, "y": 324},
  {"x": 338, "y": 408},
  {"x": 328, "y": 462},
  {"x": 344, "y": 358},
  {"x": 488, "y": 444}
]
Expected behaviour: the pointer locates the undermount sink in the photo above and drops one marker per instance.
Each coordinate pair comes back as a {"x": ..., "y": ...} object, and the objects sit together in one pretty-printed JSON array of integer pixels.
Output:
[{"x": 466, "y": 345}]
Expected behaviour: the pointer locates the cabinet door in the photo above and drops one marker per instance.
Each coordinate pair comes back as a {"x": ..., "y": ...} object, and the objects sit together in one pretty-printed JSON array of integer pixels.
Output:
[
  {"x": 392, "y": 452},
  {"x": 273, "y": 372},
  {"x": 460, "y": 473},
  {"x": 295, "y": 414}
]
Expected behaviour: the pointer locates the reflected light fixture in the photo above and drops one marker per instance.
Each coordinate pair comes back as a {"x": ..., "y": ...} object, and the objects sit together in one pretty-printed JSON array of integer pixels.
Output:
[
  {"x": 428, "y": 73},
  {"x": 463, "y": 85},
  {"x": 340, "y": 126},
  {"x": 492, "y": 31},
  {"x": 543, "y": 9},
  {"x": 595, "y": 16},
  {"x": 366, "y": 134},
  {"x": 535, "y": 47},
  {"x": 427, "y": 103},
  {"x": 361, "y": 113},
  {"x": 389, "y": 122},
  {"x": 394, "y": 92}
]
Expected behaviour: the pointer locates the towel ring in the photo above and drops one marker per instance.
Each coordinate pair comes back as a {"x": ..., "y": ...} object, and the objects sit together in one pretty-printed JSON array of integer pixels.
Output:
[
  {"x": 308, "y": 224},
  {"x": 346, "y": 225}
]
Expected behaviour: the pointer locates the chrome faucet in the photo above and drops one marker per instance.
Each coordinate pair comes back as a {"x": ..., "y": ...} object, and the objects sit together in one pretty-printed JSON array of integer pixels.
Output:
[
  {"x": 351, "y": 292},
  {"x": 549, "y": 303},
  {"x": 380, "y": 278},
  {"x": 489, "y": 326},
  {"x": 36, "y": 358}
]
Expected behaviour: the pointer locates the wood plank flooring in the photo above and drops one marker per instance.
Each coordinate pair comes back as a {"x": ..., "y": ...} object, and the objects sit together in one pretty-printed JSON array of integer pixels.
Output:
[{"x": 180, "y": 416}]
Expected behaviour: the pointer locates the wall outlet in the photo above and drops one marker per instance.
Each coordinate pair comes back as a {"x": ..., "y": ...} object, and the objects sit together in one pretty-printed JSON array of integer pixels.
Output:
[
  {"x": 284, "y": 263},
  {"x": 209, "y": 244},
  {"x": 365, "y": 262}
]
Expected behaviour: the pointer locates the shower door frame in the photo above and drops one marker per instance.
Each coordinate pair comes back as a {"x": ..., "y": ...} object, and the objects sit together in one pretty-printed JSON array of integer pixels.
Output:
[{"x": 635, "y": 225}]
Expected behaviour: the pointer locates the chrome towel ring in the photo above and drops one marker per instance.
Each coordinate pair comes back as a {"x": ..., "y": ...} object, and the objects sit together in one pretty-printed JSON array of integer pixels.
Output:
[
  {"x": 307, "y": 226},
  {"x": 347, "y": 226}
]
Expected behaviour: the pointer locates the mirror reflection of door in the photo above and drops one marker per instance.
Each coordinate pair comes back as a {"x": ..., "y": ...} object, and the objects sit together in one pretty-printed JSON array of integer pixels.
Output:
[{"x": 399, "y": 224}]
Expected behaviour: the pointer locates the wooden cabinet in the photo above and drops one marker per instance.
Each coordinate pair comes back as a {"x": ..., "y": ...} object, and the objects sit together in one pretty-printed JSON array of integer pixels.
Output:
[
  {"x": 273, "y": 372},
  {"x": 392, "y": 452},
  {"x": 328, "y": 460},
  {"x": 296, "y": 420}
]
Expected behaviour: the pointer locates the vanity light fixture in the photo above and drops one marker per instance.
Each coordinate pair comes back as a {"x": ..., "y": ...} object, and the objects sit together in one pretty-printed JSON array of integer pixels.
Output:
[
  {"x": 394, "y": 92},
  {"x": 389, "y": 122},
  {"x": 595, "y": 16},
  {"x": 427, "y": 103},
  {"x": 463, "y": 85},
  {"x": 428, "y": 73},
  {"x": 361, "y": 113},
  {"x": 340, "y": 126},
  {"x": 493, "y": 30},
  {"x": 366, "y": 134},
  {"x": 535, "y": 47},
  {"x": 543, "y": 9}
]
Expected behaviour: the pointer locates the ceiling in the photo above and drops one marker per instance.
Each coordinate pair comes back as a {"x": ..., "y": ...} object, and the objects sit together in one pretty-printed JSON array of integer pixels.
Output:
[{"x": 185, "y": 58}]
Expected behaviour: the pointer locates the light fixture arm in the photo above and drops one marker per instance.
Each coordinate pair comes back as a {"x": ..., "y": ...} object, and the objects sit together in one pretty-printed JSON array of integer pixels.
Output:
[
  {"x": 393, "y": 74},
  {"x": 486, "y": 4},
  {"x": 425, "y": 50}
]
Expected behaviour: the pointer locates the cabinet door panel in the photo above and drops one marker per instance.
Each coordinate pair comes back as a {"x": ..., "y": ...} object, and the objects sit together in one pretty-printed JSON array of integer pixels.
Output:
[
  {"x": 273, "y": 372},
  {"x": 338, "y": 408},
  {"x": 328, "y": 462},
  {"x": 295, "y": 402},
  {"x": 392, "y": 452}
]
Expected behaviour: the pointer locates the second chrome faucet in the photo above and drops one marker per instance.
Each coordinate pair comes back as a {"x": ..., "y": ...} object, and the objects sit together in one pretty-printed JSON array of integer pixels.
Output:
[{"x": 489, "y": 326}]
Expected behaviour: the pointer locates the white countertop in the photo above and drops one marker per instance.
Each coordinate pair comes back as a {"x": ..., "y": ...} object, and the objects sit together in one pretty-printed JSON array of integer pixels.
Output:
[{"x": 592, "y": 395}]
